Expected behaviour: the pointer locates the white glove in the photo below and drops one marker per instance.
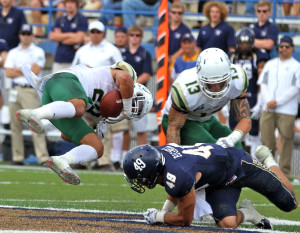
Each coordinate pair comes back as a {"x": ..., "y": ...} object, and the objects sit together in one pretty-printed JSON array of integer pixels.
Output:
[
  {"x": 101, "y": 129},
  {"x": 231, "y": 139},
  {"x": 256, "y": 111},
  {"x": 150, "y": 216},
  {"x": 225, "y": 111},
  {"x": 114, "y": 120}
]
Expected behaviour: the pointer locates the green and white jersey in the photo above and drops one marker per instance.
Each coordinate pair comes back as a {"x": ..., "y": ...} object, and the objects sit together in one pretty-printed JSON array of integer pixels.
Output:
[{"x": 187, "y": 96}]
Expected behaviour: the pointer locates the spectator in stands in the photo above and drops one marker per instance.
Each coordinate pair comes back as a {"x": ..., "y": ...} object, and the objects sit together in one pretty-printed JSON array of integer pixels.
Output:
[
  {"x": 37, "y": 14},
  {"x": 176, "y": 30},
  {"x": 121, "y": 38},
  {"x": 188, "y": 58},
  {"x": 106, "y": 18},
  {"x": 69, "y": 32},
  {"x": 139, "y": 5},
  {"x": 22, "y": 95},
  {"x": 121, "y": 129},
  {"x": 100, "y": 52},
  {"x": 11, "y": 20},
  {"x": 217, "y": 33},
  {"x": 252, "y": 61},
  {"x": 266, "y": 33},
  {"x": 140, "y": 59},
  {"x": 280, "y": 83}
]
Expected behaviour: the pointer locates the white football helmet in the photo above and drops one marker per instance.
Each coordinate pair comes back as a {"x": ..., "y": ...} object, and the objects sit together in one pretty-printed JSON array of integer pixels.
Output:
[
  {"x": 213, "y": 67},
  {"x": 142, "y": 101}
]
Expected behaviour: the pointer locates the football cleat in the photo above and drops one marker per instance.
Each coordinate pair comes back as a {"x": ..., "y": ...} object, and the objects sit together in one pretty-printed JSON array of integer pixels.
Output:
[
  {"x": 33, "y": 122},
  {"x": 264, "y": 155},
  {"x": 265, "y": 224},
  {"x": 62, "y": 168}
]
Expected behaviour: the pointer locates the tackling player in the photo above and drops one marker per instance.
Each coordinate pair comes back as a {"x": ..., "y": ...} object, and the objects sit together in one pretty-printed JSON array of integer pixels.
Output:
[
  {"x": 222, "y": 171},
  {"x": 72, "y": 93}
]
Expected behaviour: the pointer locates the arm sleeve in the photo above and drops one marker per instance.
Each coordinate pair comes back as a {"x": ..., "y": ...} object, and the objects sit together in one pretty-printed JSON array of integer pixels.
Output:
[
  {"x": 265, "y": 93},
  {"x": 289, "y": 94}
]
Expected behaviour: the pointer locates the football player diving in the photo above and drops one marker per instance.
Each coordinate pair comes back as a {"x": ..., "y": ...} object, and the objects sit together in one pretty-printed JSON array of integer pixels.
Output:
[{"x": 71, "y": 94}]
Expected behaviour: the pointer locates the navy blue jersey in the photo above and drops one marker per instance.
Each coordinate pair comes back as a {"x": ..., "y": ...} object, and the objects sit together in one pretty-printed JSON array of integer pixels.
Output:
[
  {"x": 175, "y": 37},
  {"x": 249, "y": 64},
  {"x": 225, "y": 171},
  {"x": 66, "y": 53},
  {"x": 267, "y": 31},
  {"x": 141, "y": 60},
  {"x": 3, "y": 45},
  {"x": 221, "y": 36},
  {"x": 10, "y": 26},
  {"x": 217, "y": 166}
]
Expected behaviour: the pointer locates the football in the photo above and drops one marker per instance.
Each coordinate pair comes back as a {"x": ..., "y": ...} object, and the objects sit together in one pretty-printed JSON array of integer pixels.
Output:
[{"x": 111, "y": 104}]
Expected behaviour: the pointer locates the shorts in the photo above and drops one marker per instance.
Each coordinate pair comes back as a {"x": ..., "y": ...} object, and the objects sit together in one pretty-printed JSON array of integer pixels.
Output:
[{"x": 120, "y": 126}]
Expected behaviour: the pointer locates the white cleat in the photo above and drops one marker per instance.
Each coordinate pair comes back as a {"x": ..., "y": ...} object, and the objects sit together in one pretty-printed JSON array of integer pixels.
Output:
[
  {"x": 33, "y": 122},
  {"x": 61, "y": 167},
  {"x": 253, "y": 216},
  {"x": 264, "y": 155}
]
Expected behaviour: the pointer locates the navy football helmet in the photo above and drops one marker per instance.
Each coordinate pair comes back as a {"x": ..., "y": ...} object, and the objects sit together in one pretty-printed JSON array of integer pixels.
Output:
[
  {"x": 142, "y": 166},
  {"x": 245, "y": 40}
]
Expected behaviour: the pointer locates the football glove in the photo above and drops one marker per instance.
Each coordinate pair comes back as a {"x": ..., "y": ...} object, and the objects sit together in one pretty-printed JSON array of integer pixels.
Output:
[
  {"x": 150, "y": 216},
  {"x": 256, "y": 111},
  {"x": 231, "y": 139},
  {"x": 114, "y": 120}
]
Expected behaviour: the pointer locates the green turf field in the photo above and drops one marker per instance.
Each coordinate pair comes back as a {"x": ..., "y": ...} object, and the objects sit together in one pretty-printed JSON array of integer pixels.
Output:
[{"x": 40, "y": 187}]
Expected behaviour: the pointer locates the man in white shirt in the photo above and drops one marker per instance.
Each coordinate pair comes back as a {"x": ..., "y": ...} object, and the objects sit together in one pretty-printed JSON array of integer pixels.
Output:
[
  {"x": 22, "y": 95},
  {"x": 280, "y": 83},
  {"x": 98, "y": 52}
]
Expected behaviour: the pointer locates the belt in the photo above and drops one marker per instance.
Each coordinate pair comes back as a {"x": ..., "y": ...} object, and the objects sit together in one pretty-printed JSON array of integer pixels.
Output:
[{"x": 19, "y": 85}]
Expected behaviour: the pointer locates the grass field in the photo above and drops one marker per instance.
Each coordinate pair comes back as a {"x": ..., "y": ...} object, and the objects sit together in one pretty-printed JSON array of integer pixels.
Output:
[{"x": 40, "y": 187}]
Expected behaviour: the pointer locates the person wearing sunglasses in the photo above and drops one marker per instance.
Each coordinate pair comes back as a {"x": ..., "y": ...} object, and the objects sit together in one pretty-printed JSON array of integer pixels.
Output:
[
  {"x": 280, "y": 82},
  {"x": 22, "y": 95},
  {"x": 266, "y": 33}
]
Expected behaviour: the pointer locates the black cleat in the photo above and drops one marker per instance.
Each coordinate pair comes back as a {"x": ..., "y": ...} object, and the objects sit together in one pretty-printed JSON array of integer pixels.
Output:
[{"x": 264, "y": 224}]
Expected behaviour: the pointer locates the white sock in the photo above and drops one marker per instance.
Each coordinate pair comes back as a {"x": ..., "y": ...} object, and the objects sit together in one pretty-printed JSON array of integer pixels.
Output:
[
  {"x": 117, "y": 144},
  {"x": 56, "y": 110},
  {"x": 255, "y": 142},
  {"x": 80, "y": 154}
]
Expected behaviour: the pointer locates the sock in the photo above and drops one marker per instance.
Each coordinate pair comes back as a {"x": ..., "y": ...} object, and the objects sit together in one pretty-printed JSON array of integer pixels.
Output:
[
  {"x": 117, "y": 144},
  {"x": 255, "y": 142},
  {"x": 123, "y": 155},
  {"x": 56, "y": 110},
  {"x": 81, "y": 154}
]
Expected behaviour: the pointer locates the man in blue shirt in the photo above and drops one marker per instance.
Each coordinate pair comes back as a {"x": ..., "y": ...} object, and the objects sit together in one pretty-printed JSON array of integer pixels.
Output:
[
  {"x": 217, "y": 33},
  {"x": 266, "y": 33},
  {"x": 140, "y": 59},
  {"x": 11, "y": 20},
  {"x": 223, "y": 172},
  {"x": 69, "y": 31}
]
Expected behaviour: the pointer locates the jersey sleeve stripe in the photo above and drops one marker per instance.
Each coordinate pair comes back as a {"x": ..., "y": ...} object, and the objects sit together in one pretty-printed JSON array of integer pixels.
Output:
[
  {"x": 245, "y": 83},
  {"x": 178, "y": 98}
]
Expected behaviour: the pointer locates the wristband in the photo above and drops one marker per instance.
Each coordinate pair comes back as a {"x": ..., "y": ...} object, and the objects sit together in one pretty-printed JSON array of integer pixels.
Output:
[
  {"x": 160, "y": 216},
  {"x": 127, "y": 105},
  {"x": 168, "y": 206},
  {"x": 236, "y": 135}
]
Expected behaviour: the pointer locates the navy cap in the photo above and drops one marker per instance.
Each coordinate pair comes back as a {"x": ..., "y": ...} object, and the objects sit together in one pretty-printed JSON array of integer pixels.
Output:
[
  {"x": 26, "y": 28},
  {"x": 121, "y": 29},
  {"x": 188, "y": 36},
  {"x": 288, "y": 40}
]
